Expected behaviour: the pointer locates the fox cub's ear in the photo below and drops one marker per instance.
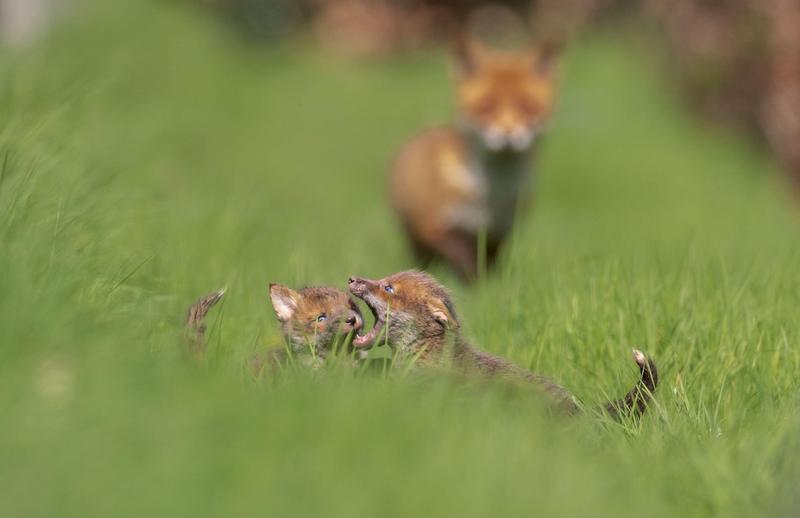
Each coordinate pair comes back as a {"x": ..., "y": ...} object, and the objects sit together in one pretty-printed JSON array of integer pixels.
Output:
[
  {"x": 442, "y": 314},
  {"x": 284, "y": 301}
]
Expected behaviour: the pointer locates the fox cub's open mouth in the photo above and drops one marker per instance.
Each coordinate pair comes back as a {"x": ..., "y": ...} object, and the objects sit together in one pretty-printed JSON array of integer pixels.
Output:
[{"x": 361, "y": 288}]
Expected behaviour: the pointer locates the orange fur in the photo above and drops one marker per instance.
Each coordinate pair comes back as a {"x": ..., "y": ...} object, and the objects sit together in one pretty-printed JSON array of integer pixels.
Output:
[{"x": 450, "y": 184}]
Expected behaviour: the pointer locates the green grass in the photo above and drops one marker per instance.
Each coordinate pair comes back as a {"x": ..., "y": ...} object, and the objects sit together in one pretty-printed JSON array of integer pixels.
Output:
[{"x": 149, "y": 157}]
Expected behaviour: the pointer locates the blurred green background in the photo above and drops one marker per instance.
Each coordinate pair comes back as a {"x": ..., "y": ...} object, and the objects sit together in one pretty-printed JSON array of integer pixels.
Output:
[{"x": 149, "y": 155}]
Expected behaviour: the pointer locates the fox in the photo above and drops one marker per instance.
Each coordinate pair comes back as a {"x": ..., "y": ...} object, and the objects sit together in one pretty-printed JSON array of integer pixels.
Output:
[
  {"x": 315, "y": 322},
  {"x": 415, "y": 315},
  {"x": 454, "y": 185}
]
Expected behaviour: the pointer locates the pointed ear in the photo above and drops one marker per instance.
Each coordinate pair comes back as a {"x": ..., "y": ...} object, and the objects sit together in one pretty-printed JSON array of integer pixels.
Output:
[
  {"x": 545, "y": 57},
  {"x": 284, "y": 301},
  {"x": 442, "y": 318},
  {"x": 466, "y": 54},
  {"x": 442, "y": 314}
]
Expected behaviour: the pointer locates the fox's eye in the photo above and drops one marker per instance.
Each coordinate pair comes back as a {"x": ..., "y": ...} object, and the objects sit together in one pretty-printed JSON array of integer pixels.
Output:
[
  {"x": 322, "y": 318},
  {"x": 389, "y": 289}
]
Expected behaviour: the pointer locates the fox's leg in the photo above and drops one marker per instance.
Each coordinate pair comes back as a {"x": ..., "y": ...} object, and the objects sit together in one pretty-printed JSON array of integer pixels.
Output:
[
  {"x": 492, "y": 251},
  {"x": 460, "y": 251},
  {"x": 423, "y": 253}
]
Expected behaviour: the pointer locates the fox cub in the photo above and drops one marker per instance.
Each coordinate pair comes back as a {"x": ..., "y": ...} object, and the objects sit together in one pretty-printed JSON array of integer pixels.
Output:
[
  {"x": 316, "y": 322},
  {"x": 452, "y": 184},
  {"x": 415, "y": 315}
]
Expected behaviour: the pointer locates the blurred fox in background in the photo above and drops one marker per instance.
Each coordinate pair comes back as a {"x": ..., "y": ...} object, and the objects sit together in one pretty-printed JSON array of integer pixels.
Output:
[{"x": 460, "y": 185}]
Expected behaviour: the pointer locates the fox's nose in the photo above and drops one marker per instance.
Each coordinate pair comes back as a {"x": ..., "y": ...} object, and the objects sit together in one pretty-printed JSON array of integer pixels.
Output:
[
  {"x": 357, "y": 285},
  {"x": 356, "y": 280},
  {"x": 354, "y": 321}
]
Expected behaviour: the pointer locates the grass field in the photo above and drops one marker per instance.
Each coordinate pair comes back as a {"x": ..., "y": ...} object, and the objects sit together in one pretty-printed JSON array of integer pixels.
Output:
[{"x": 148, "y": 157}]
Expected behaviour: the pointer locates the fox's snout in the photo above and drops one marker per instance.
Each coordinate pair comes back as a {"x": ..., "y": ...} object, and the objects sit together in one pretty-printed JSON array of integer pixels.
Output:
[
  {"x": 518, "y": 138},
  {"x": 359, "y": 286},
  {"x": 354, "y": 321}
]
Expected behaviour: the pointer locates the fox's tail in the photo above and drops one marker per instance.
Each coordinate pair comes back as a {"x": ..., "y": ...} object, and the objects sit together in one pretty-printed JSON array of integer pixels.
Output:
[
  {"x": 195, "y": 321},
  {"x": 635, "y": 402}
]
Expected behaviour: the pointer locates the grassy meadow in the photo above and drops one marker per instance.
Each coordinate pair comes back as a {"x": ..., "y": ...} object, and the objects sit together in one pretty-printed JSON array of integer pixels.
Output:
[{"x": 149, "y": 156}]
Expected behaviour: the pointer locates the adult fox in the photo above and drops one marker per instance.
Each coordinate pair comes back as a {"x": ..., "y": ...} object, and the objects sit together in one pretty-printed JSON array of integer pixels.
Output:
[{"x": 452, "y": 184}]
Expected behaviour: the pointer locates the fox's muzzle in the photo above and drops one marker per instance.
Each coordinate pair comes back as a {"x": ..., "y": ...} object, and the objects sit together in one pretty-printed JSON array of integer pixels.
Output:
[
  {"x": 354, "y": 321},
  {"x": 360, "y": 287},
  {"x": 365, "y": 290}
]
